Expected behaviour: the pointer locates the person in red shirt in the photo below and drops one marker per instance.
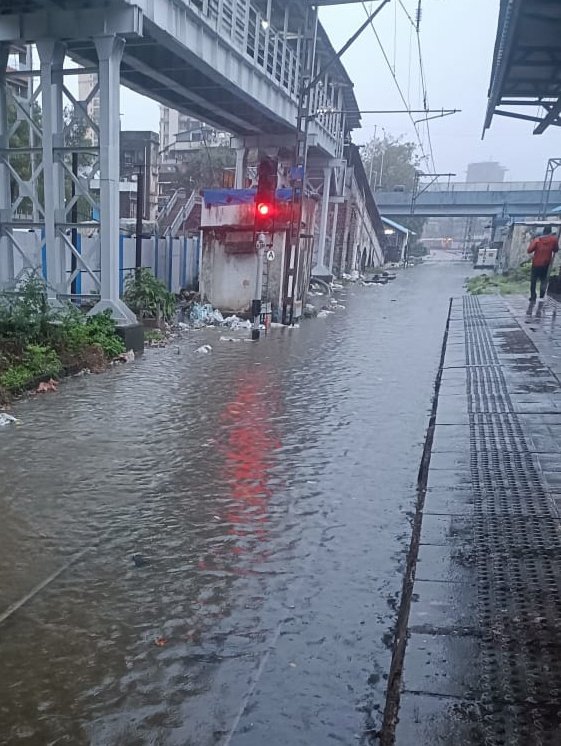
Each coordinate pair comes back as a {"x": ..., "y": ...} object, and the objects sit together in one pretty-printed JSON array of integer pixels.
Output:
[{"x": 543, "y": 249}]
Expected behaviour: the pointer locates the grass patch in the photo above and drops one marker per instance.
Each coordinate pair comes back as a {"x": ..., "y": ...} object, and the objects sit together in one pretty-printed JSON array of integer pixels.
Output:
[{"x": 508, "y": 283}]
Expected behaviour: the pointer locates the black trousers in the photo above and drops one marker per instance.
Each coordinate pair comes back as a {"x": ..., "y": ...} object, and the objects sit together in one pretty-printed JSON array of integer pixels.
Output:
[{"x": 538, "y": 273}]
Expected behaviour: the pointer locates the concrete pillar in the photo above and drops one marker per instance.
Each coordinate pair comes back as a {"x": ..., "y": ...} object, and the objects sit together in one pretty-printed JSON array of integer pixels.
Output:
[
  {"x": 321, "y": 269},
  {"x": 6, "y": 246},
  {"x": 241, "y": 155},
  {"x": 333, "y": 237},
  {"x": 51, "y": 56},
  {"x": 109, "y": 52}
]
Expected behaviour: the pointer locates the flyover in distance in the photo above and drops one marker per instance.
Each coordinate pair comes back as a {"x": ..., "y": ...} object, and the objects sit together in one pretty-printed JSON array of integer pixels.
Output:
[{"x": 516, "y": 199}]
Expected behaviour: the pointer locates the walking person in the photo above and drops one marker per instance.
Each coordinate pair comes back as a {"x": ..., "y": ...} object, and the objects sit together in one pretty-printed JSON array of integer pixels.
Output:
[{"x": 543, "y": 248}]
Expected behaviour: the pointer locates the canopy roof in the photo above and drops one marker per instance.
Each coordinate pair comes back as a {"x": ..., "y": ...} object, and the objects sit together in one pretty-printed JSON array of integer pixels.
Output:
[{"x": 526, "y": 72}]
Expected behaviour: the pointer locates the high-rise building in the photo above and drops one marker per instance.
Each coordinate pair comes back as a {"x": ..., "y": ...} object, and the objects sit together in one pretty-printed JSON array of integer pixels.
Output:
[
  {"x": 485, "y": 172},
  {"x": 86, "y": 84}
]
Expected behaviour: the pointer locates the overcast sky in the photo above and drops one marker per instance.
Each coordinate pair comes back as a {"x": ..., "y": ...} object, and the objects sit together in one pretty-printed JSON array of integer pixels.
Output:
[{"x": 457, "y": 39}]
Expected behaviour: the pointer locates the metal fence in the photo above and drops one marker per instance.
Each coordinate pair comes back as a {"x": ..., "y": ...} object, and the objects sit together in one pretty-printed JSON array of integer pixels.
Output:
[{"x": 175, "y": 261}]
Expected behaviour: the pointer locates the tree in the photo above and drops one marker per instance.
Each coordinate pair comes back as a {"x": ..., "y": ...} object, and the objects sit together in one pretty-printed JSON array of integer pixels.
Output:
[
  {"x": 204, "y": 167},
  {"x": 392, "y": 163}
]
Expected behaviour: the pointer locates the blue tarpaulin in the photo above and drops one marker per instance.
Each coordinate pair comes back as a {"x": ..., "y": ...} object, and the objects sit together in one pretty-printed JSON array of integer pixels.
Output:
[{"x": 239, "y": 196}]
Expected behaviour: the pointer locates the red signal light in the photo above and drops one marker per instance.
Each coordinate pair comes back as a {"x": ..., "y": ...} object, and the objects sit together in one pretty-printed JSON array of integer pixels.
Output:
[{"x": 263, "y": 209}]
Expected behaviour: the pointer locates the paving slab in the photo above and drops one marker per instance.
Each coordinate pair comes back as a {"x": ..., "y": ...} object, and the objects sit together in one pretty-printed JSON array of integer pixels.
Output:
[{"x": 482, "y": 663}]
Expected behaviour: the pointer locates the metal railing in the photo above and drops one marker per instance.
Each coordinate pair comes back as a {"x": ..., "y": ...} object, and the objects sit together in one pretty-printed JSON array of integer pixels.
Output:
[
  {"x": 246, "y": 28},
  {"x": 170, "y": 204},
  {"x": 182, "y": 216},
  {"x": 497, "y": 186}
]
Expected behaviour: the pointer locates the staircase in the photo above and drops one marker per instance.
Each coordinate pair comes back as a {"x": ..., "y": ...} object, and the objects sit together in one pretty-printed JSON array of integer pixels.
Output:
[{"x": 176, "y": 212}]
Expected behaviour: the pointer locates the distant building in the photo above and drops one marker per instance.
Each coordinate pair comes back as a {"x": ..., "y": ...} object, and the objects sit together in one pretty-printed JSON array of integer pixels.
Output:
[
  {"x": 181, "y": 134},
  {"x": 139, "y": 151},
  {"x": 485, "y": 172},
  {"x": 86, "y": 84}
]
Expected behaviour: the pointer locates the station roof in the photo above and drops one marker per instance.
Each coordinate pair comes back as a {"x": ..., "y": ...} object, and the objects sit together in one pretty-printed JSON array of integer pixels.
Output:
[{"x": 526, "y": 71}]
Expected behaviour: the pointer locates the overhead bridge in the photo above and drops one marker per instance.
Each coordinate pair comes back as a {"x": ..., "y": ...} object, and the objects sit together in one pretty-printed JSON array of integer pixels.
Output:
[
  {"x": 234, "y": 64},
  {"x": 515, "y": 199}
]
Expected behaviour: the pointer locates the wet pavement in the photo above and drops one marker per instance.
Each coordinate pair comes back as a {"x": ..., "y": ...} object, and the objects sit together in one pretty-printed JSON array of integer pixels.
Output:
[
  {"x": 483, "y": 657},
  {"x": 222, "y": 537}
]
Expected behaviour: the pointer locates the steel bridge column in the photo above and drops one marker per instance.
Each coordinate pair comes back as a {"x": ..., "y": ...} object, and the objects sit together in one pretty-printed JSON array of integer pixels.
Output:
[
  {"x": 109, "y": 52},
  {"x": 6, "y": 247},
  {"x": 51, "y": 56},
  {"x": 321, "y": 270}
]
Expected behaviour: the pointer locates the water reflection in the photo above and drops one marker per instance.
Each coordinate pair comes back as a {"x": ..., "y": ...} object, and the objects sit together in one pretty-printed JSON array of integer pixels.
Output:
[{"x": 248, "y": 453}]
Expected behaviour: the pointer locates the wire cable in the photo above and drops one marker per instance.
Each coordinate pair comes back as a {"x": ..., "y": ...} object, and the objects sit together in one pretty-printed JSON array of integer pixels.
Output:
[
  {"x": 399, "y": 89},
  {"x": 416, "y": 24}
]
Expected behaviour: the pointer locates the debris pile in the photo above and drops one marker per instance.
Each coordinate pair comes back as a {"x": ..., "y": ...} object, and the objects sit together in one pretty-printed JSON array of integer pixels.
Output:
[{"x": 6, "y": 419}]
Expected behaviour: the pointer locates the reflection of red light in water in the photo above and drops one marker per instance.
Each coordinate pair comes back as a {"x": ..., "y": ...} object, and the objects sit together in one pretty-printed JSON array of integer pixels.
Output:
[{"x": 248, "y": 454}]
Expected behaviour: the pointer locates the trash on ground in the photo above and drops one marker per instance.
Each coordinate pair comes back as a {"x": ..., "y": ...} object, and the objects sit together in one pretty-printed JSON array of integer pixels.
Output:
[
  {"x": 323, "y": 314},
  {"x": 230, "y": 339},
  {"x": 45, "y": 386},
  {"x": 160, "y": 642},
  {"x": 204, "y": 350},
  {"x": 234, "y": 322},
  {"x": 127, "y": 357},
  {"x": 6, "y": 419},
  {"x": 207, "y": 315}
]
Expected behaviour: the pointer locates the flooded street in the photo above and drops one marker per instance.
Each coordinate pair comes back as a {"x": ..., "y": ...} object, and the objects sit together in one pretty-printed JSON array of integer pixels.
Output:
[{"x": 232, "y": 529}]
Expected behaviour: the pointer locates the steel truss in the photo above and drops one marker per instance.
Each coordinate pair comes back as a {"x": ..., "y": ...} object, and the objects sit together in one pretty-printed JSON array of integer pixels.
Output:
[{"x": 46, "y": 173}]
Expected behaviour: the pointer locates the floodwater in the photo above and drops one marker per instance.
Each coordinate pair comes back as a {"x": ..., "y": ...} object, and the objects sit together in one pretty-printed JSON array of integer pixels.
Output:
[{"x": 264, "y": 491}]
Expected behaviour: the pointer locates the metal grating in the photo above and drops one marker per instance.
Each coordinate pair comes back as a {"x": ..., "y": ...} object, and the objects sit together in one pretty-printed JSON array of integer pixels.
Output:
[{"x": 518, "y": 558}]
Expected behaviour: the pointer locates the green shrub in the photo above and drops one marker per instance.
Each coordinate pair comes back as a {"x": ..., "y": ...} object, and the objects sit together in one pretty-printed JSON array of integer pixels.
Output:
[
  {"x": 76, "y": 332},
  {"x": 42, "y": 361},
  {"x": 25, "y": 316},
  {"x": 38, "y": 361},
  {"x": 16, "y": 378},
  {"x": 148, "y": 296}
]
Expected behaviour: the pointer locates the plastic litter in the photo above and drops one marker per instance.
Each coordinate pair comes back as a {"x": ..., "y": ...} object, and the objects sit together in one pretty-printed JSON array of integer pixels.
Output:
[
  {"x": 204, "y": 350},
  {"x": 230, "y": 339},
  {"x": 323, "y": 314},
  {"x": 206, "y": 314},
  {"x": 234, "y": 322},
  {"x": 6, "y": 419}
]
